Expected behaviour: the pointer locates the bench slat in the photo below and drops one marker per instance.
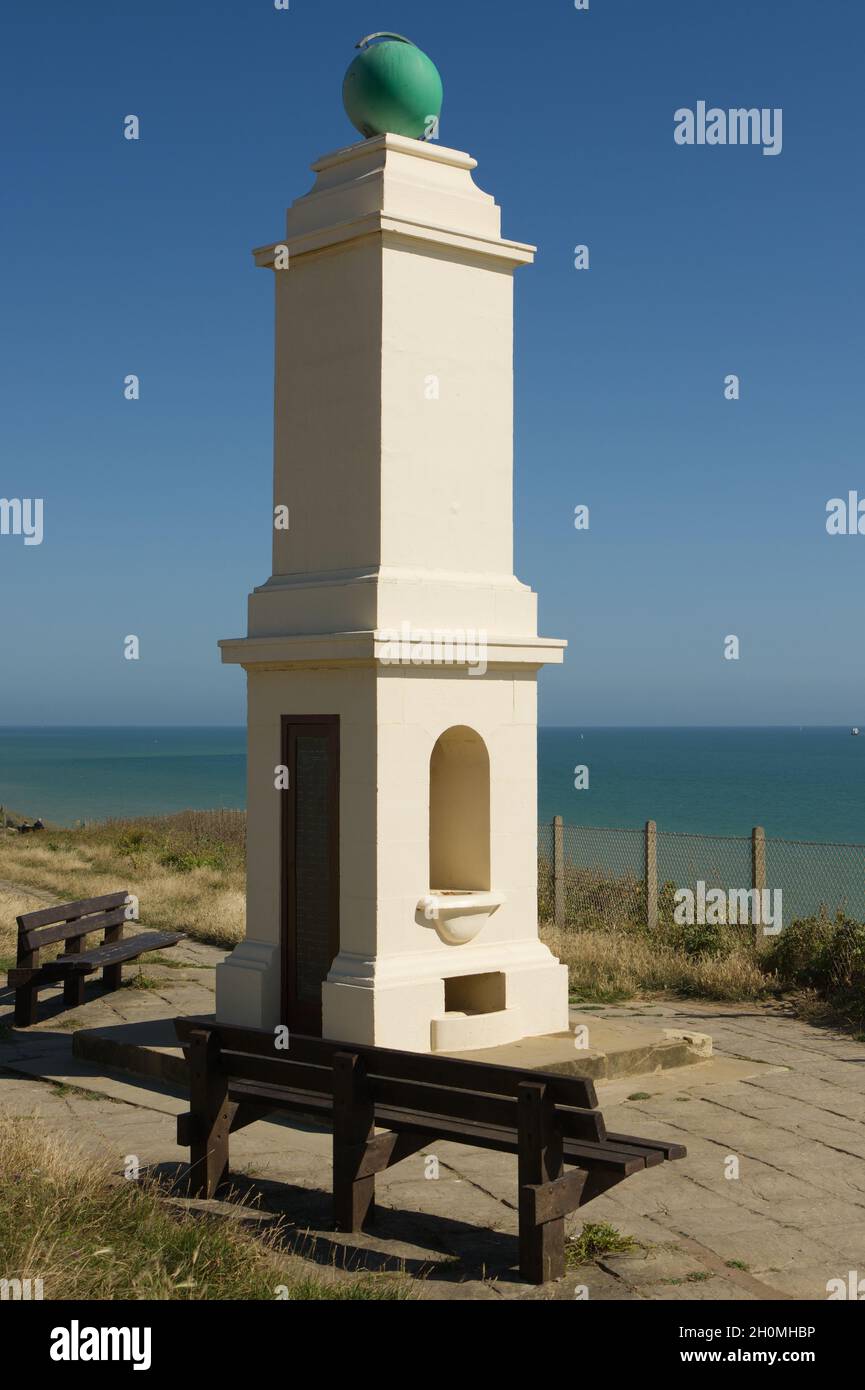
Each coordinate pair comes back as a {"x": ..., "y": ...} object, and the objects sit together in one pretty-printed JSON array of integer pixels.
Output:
[
  {"x": 497, "y": 1110},
  {"x": 321, "y": 1108},
  {"x": 603, "y": 1156},
  {"x": 67, "y": 912},
  {"x": 282, "y": 1070},
  {"x": 34, "y": 938},
  {"x": 651, "y": 1157},
  {"x": 668, "y": 1150},
  {"x": 282, "y": 1098},
  {"x": 431, "y": 1068},
  {"x": 278, "y": 1070},
  {"x": 87, "y": 961}
]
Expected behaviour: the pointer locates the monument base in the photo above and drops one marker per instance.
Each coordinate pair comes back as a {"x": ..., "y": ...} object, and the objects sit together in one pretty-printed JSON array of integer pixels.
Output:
[
  {"x": 500, "y": 994},
  {"x": 248, "y": 986}
]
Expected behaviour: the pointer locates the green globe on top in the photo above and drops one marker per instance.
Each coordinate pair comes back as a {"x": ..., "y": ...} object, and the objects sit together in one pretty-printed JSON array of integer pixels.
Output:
[{"x": 392, "y": 87}]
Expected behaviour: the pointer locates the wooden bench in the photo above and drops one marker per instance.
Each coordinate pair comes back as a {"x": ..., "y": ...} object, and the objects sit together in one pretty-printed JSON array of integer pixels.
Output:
[
  {"x": 71, "y": 923},
  {"x": 237, "y": 1075}
]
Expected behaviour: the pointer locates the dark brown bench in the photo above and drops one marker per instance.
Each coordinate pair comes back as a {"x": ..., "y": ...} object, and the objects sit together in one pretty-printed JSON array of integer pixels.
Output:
[
  {"x": 71, "y": 923},
  {"x": 237, "y": 1075}
]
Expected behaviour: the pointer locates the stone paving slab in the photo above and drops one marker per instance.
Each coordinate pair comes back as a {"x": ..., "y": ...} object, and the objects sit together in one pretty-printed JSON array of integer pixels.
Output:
[{"x": 600, "y": 1048}]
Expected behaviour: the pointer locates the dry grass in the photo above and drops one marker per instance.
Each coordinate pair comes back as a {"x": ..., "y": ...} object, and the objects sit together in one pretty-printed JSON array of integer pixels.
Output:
[
  {"x": 66, "y": 1219},
  {"x": 608, "y": 966},
  {"x": 817, "y": 962},
  {"x": 12, "y": 904},
  {"x": 187, "y": 871}
]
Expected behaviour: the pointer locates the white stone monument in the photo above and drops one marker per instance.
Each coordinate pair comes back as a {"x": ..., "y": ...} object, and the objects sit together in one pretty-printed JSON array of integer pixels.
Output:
[{"x": 392, "y": 655}]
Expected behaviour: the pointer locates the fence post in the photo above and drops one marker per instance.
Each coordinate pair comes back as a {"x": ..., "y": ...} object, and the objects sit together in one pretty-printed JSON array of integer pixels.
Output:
[
  {"x": 758, "y": 876},
  {"x": 651, "y": 874},
  {"x": 559, "y": 870}
]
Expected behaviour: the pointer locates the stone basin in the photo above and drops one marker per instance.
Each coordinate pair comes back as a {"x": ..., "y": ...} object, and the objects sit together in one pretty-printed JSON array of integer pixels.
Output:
[{"x": 458, "y": 914}]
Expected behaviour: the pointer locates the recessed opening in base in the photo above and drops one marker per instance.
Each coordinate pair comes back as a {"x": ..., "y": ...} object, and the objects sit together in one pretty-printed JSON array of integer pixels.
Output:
[{"x": 475, "y": 994}]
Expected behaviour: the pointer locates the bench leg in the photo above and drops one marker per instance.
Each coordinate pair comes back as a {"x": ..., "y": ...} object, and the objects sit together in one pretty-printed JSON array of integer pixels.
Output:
[
  {"x": 112, "y": 975},
  {"x": 73, "y": 985},
  {"x": 353, "y": 1127},
  {"x": 26, "y": 1001},
  {"x": 542, "y": 1244},
  {"x": 73, "y": 991},
  {"x": 211, "y": 1115}
]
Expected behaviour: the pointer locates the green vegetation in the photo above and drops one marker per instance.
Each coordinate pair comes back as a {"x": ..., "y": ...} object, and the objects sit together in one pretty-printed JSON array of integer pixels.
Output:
[
  {"x": 62, "y": 1089},
  {"x": 597, "y": 1238},
  {"x": 142, "y": 981},
  {"x": 824, "y": 958}
]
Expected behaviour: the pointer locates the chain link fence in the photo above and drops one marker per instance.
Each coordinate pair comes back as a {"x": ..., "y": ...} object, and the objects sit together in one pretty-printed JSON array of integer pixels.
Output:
[
  {"x": 719, "y": 861},
  {"x": 594, "y": 876},
  {"x": 591, "y": 875},
  {"x": 817, "y": 877}
]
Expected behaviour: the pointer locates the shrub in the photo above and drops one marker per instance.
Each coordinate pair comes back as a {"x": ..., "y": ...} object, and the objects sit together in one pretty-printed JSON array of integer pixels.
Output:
[
  {"x": 185, "y": 860},
  {"x": 825, "y": 954},
  {"x": 702, "y": 939}
]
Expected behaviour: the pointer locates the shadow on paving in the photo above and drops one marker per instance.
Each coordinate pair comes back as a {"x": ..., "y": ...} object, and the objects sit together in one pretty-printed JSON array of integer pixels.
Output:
[
  {"x": 52, "y": 1003},
  {"x": 302, "y": 1219}
]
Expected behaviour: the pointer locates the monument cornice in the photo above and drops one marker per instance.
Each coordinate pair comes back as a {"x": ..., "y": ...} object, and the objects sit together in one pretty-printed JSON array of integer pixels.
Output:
[
  {"x": 386, "y": 225},
  {"x": 369, "y": 150},
  {"x": 373, "y": 648}
]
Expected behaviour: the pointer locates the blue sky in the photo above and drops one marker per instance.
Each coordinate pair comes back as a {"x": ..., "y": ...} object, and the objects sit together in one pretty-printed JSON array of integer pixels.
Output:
[{"x": 707, "y": 515}]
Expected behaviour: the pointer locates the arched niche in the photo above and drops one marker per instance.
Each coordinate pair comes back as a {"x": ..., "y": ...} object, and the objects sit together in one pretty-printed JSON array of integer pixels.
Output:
[{"x": 459, "y": 812}]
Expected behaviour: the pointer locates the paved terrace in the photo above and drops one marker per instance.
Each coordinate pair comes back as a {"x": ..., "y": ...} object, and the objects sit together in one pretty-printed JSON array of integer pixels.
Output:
[{"x": 784, "y": 1098}]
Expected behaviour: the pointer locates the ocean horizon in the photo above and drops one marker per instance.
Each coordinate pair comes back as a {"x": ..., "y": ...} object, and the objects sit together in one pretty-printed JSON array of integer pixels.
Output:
[{"x": 797, "y": 782}]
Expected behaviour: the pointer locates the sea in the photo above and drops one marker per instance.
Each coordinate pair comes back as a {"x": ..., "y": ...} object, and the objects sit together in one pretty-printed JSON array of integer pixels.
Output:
[{"x": 798, "y": 783}]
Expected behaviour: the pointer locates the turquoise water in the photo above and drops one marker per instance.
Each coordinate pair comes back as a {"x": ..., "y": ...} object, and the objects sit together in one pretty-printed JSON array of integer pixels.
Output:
[
  {"x": 798, "y": 784},
  {"x": 65, "y": 775},
  {"x": 803, "y": 784}
]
